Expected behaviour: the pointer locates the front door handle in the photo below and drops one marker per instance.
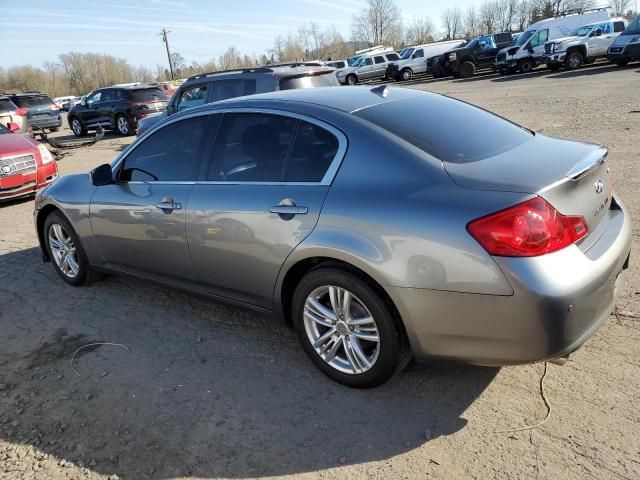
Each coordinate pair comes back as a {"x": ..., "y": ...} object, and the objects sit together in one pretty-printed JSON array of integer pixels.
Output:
[
  {"x": 289, "y": 210},
  {"x": 167, "y": 204}
]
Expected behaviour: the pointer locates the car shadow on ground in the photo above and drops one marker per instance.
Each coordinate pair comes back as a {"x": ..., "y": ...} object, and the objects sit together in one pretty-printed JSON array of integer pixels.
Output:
[{"x": 201, "y": 390}]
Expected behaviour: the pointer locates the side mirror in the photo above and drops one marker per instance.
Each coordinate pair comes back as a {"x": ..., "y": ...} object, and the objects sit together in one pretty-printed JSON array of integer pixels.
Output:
[
  {"x": 13, "y": 127},
  {"x": 171, "y": 109},
  {"x": 101, "y": 175},
  {"x": 530, "y": 48},
  {"x": 482, "y": 44},
  {"x": 597, "y": 33}
]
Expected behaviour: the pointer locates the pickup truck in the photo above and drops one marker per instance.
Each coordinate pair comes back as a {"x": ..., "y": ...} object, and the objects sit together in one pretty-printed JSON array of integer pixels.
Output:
[{"x": 478, "y": 53}]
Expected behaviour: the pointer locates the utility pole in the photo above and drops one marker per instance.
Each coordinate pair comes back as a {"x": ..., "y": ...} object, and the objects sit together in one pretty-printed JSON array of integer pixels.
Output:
[{"x": 163, "y": 34}]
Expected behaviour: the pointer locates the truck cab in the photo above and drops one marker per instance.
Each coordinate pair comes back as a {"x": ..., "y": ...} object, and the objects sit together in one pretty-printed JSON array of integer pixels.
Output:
[
  {"x": 584, "y": 45},
  {"x": 477, "y": 54}
]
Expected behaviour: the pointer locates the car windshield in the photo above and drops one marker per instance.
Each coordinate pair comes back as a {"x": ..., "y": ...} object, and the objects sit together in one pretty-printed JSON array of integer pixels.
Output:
[
  {"x": 473, "y": 43},
  {"x": 583, "y": 31},
  {"x": 633, "y": 28},
  {"x": 407, "y": 52},
  {"x": 434, "y": 124},
  {"x": 148, "y": 95},
  {"x": 524, "y": 37},
  {"x": 351, "y": 61}
]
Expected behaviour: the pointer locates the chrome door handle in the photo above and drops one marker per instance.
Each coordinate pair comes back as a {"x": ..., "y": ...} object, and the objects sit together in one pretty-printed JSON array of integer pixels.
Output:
[
  {"x": 289, "y": 210},
  {"x": 169, "y": 206}
]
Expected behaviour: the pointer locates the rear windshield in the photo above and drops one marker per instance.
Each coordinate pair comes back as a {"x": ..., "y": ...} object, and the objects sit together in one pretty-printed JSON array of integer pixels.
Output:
[
  {"x": 37, "y": 101},
  {"x": 148, "y": 95},
  {"x": 633, "y": 28},
  {"x": 447, "y": 129},
  {"x": 309, "y": 81},
  {"x": 6, "y": 105}
]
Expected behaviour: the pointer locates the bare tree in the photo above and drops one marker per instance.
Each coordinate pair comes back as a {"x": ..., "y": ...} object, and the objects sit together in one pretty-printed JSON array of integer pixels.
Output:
[
  {"x": 489, "y": 16},
  {"x": 471, "y": 22},
  {"x": 523, "y": 15},
  {"x": 620, "y": 7},
  {"x": 379, "y": 23},
  {"x": 420, "y": 31},
  {"x": 452, "y": 23}
]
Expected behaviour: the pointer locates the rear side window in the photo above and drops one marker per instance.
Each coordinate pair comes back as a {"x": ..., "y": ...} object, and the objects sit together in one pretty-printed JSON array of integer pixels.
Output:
[
  {"x": 448, "y": 129},
  {"x": 6, "y": 105},
  {"x": 224, "y": 89},
  {"x": 148, "y": 95},
  {"x": 313, "y": 151},
  {"x": 194, "y": 97},
  {"x": 378, "y": 59},
  {"x": 172, "y": 153},
  {"x": 251, "y": 147},
  {"x": 618, "y": 27},
  {"x": 393, "y": 56},
  {"x": 309, "y": 81},
  {"x": 36, "y": 101}
]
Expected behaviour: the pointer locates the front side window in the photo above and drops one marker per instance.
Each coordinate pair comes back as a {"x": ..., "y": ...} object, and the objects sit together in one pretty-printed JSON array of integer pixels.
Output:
[
  {"x": 583, "y": 31},
  {"x": 172, "y": 153},
  {"x": 605, "y": 28},
  {"x": 393, "y": 56},
  {"x": 618, "y": 27},
  {"x": 95, "y": 98},
  {"x": 524, "y": 37},
  {"x": 540, "y": 38},
  {"x": 419, "y": 54},
  {"x": 251, "y": 147},
  {"x": 367, "y": 61},
  {"x": 194, "y": 97}
]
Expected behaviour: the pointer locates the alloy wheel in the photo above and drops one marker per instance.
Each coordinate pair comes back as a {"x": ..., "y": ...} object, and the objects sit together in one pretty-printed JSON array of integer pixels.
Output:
[
  {"x": 123, "y": 125},
  {"x": 341, "y": 329},
  {"x": 76, "y": 126},
  {"x": 406, "y": 75},
  {"x": 575, "y": 61},
  {"x": 63, "y": 250}
]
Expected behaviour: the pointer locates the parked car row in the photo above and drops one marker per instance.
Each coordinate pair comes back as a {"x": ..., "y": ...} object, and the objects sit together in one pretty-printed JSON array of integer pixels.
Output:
[{"x": 37, "y": 108}]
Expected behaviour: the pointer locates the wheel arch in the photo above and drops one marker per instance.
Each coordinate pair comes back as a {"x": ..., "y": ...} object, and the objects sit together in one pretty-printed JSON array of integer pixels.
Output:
[
  {"x": 43, "y": 213},
  {"x": 290, "y": 279},
  {"x": 580, "y": 48}
]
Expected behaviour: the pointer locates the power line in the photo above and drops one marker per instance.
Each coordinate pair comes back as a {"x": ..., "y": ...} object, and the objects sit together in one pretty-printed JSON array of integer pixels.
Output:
[{"x": 163, "y": 34}]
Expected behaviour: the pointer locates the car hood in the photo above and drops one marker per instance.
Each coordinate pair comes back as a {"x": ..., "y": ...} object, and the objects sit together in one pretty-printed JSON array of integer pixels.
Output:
[
  {"x": 12, "y": 143},
  {"x": 626, "y": 40},
  {"x": 344, "y": 71},
  {"x": 457, "y": 50}
]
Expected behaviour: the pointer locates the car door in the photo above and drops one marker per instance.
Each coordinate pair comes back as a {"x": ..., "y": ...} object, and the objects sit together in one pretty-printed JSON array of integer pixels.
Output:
[
  {"x": 599, "y": 40},
  {"x": 366, "y": 69},
  {"x": 138, "y": 222},
  {"x": 259, "y": 196},
  {"x": 487, "y": 51},
  {"x": 537, "y": 42},
  {"x": 379, "y": 66},
  {"x": 105, "y": 107},
  {"x": 89, "y": 113},
  {"x": 418, "y": 63}
]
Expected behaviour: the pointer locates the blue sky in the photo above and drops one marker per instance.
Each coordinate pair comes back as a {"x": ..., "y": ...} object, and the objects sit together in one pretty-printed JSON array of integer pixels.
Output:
[{"x": 34, "y": 31}]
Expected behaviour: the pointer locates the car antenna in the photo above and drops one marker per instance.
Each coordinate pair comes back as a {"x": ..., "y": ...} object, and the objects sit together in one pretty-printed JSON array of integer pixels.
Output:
[{"x": 382, "y": 90}]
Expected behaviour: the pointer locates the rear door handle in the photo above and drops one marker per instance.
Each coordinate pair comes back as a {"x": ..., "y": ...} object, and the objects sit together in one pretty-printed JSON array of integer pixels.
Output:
[{"x": 289, "y": 210}]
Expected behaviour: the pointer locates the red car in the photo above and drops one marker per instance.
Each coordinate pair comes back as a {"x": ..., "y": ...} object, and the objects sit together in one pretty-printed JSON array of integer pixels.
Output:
[{"x": 26, "y": 166}]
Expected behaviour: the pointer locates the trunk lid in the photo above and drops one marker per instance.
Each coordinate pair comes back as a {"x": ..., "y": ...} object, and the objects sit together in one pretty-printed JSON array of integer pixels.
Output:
[{"x": 572, "y": 176}]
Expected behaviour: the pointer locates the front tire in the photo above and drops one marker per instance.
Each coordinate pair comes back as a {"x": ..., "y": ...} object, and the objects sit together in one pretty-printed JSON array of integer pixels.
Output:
[
  {"x": 526, "y": 66},
  {"x": 406, "y": 74},
  {"x": 76, "y": 127},
  {"x": 65, "y": 250},
  {"x": 467, "y": 69},
  {"x": 573, "y": 61},
  {"x": 123, "y": 125},
  {"x": 345, "y": 328},
  {"x": 352, "y": 79}
]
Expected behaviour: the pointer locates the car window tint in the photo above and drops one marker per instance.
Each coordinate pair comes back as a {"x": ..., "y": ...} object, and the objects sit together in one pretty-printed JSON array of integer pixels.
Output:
[
  {"x": 618, "y": 27},
  {"x": 368, "y": 61},
  {"x": 172, "y": 153},
  {"x": 108, "y": 96},
  {"x": 313, "y": 151},
  {"x": 148, "y": 95},
  {"x": 378, "y": 59},
  {"x": 95, "y": 98},
  {"x": 223, "y": 89},
  {"x": 251, "y": 147},
  {"x": 193, "y": 97},
  {"x": 393, "y": 56},
  {"x": 419, "y": 53},
  {"x": 35, "y": 101},
  {"x": 433, "y": 124}
]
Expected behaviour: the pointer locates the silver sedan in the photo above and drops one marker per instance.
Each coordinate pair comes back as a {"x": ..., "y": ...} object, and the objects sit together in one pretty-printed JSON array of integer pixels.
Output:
[{"x": 383, "y": 224}]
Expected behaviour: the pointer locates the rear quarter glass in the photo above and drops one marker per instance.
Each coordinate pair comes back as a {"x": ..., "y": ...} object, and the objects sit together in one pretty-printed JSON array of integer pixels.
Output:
[{"x": 148, "y": 95}]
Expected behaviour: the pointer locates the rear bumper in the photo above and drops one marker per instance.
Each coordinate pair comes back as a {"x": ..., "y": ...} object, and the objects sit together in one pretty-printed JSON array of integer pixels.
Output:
[
  {"x": 626, "y": 54},
  {"x": 52, "y": 122},
  {"x": 560, "y": 300}
]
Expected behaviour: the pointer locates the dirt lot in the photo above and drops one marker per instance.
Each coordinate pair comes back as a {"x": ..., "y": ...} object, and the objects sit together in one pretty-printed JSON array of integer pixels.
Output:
[{"x": 211, "y": 391}]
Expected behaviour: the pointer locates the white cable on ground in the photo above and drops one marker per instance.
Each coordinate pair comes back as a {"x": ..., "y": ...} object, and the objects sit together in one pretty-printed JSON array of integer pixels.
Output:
[
  {"x": 93, "y": 345},
  {"x": 546, "y": 402}
]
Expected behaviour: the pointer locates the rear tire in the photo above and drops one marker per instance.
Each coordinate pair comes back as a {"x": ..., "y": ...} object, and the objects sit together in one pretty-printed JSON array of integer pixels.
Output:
[
  {"x": 573, "y": 61},
  {"x": 467, "y": 69},
  {"x": 123, "y": 125},
  {"x": 345, "y": 355}
]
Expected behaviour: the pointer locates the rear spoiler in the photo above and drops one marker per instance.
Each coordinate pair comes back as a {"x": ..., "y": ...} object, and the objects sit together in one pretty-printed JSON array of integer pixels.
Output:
[{"x": 588, "y": 163}]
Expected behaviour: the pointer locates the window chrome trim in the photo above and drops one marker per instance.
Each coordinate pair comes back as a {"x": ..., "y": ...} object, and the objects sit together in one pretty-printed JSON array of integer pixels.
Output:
[{"x": 326, "y": 180}]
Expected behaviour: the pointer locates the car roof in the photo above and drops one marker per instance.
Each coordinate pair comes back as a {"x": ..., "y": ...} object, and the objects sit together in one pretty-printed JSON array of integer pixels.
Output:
[
  {"x": 345, "y": 99},
  {"x": 279, "y": 71}
]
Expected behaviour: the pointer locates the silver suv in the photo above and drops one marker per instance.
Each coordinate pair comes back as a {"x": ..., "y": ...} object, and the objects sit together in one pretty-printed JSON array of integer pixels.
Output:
[{"x": 372, "y": 66}]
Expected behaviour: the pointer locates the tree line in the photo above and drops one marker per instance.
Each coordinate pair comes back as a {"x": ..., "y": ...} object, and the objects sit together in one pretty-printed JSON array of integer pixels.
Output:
[{"x": 378, "y": 23}]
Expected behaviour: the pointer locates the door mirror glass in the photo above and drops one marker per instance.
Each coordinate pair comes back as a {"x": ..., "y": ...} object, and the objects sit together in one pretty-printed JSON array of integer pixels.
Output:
[
  {"x": 597, "y": 33},
  {"x": 102, "y": 175}
]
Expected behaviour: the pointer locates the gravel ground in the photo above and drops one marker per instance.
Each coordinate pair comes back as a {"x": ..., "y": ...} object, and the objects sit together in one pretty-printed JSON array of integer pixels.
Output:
[{"x": 207, "y": 391}]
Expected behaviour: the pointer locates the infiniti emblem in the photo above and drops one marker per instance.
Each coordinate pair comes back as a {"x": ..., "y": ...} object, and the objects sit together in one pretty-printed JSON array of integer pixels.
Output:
[{"x": 599, "y": 186}]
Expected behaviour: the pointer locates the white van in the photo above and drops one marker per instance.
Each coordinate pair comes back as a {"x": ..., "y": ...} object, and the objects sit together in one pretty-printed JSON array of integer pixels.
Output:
[
  {"x": 413, "y": 60},
  {"x": 528, "y": 51}
]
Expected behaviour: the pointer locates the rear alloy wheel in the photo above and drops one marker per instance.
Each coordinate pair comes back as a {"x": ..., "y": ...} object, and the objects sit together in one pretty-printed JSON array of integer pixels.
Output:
[
  {"x": 406, "y": 74},
  {"x": 573, "y": 61},
  {"x": 65, "y": 250},
  {"x": 352, "y": 79},
  {"x": 526, "y": 66},
  {"x": 467, "y": 69},
  {"x": 122, "y": 124},
  {"x": 77, "y": 128},
  {"x": 346, "y": 328}
]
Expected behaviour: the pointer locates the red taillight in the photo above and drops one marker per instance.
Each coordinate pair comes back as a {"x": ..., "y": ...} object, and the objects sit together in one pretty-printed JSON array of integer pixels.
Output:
[
  {"x": 22, "y": 111},
  {"x": 528, "y": 229}
]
